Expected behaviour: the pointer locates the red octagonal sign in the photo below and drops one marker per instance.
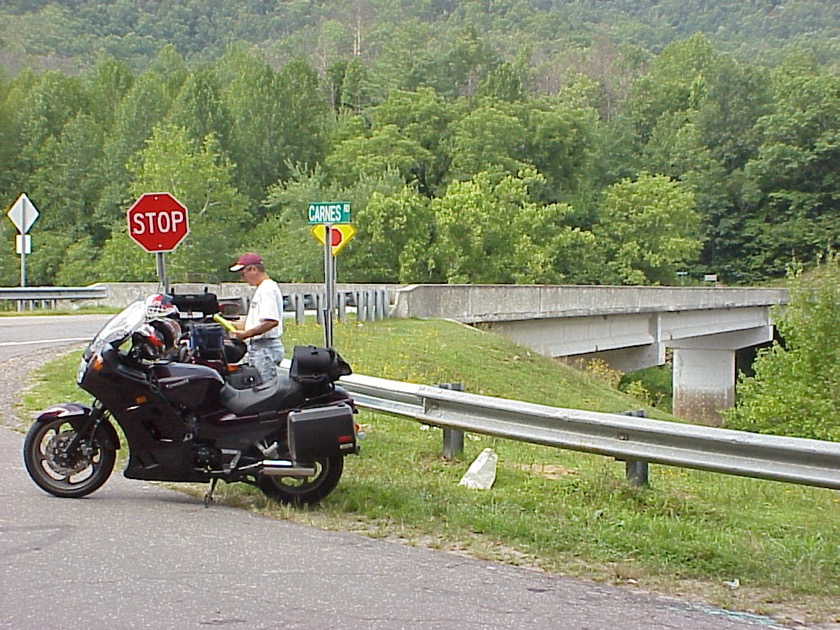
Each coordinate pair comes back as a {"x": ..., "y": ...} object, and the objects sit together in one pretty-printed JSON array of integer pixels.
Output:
[{"x": 158, "y": 222}]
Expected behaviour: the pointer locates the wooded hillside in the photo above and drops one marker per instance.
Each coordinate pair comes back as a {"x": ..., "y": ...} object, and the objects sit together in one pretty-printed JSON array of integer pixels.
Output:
[{"x": 478, "y": 141}]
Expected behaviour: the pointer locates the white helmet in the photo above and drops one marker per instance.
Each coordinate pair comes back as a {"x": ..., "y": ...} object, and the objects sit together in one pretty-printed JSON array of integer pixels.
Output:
[{"x": 160, "y": 305}]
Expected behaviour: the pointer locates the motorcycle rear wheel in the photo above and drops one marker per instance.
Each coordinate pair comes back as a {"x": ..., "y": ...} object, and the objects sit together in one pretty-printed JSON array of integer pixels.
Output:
[
  {"x": 72, "y": 474},
  {"x": 304, "y": 490}
]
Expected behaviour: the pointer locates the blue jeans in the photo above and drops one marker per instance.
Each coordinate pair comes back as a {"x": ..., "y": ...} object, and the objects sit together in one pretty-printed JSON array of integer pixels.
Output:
[{"x": 264, "y": 355}]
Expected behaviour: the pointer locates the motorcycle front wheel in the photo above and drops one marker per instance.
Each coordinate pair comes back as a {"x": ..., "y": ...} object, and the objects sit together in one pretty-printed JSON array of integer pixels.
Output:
[
  {"x": 65, "y": 473},
  {"x": 304, "y": 490}
]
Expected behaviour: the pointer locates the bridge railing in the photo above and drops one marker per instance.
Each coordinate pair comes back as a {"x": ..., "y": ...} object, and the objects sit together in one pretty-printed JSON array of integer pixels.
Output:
[
  {"x": 365, "y": 302},
  {"x": 28, "y": 298},
  {"x": 635, "y": 440}
]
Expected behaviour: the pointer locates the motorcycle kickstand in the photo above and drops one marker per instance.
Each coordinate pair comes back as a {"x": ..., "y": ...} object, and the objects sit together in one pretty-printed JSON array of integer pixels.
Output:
[{"x": 208, "y": 498}]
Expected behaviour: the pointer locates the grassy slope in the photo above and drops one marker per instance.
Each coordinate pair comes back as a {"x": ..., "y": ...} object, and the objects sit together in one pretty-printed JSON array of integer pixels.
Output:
[{"x": 688, "y": 533}]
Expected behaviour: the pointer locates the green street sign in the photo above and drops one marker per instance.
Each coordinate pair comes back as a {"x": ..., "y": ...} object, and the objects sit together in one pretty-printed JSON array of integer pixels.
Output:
[{"x": 330, "y": 212}]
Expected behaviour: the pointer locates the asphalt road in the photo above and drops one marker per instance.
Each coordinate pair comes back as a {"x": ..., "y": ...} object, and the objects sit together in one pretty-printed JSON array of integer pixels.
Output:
[
  {"x": 22, "y": 335},
  {"x": 136, "y": 555}
]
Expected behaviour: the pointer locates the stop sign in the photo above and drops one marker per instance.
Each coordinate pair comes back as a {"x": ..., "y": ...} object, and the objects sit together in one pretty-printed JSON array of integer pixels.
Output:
[{"x": 157, "y": 222}]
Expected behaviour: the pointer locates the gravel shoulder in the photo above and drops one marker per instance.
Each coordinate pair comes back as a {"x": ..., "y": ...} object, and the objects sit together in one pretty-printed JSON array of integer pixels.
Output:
[{"x": 17, "y": 377}]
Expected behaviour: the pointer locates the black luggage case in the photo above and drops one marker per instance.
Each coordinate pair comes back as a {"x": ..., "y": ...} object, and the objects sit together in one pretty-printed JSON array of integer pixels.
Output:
[{"x": 321, "y": 432}]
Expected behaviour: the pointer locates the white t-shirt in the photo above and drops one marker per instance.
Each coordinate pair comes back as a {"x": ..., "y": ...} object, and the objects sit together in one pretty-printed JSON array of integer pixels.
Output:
[{"x": 267, "y": 303}]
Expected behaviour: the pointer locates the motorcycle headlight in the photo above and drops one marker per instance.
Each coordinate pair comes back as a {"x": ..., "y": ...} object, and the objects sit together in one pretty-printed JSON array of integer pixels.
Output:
[{"x": 80, "y": 373}]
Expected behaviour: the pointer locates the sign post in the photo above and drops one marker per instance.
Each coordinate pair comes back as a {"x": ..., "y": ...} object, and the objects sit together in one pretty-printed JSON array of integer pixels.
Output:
[
  {"x": 23, "y": 214},
  {"x": 158, "y": 222},
  {"x": 323, "y": 217}
]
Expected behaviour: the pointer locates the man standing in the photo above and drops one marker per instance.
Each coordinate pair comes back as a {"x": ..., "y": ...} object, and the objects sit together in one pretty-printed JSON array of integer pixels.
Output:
[{"x": 264, "y": 322}]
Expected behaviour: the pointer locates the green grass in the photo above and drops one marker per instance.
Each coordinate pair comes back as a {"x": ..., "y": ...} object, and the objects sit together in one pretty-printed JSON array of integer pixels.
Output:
[{"x": 687, "y": 534}]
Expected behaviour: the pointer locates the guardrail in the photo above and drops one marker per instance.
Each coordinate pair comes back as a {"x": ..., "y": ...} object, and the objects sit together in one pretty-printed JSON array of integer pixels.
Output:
[
  {"x": 637, "y": 441},
  {"x": 32, "y": 296}
]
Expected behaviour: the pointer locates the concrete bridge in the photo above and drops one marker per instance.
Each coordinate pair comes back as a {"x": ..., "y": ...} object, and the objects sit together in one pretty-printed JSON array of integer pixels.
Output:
[{"x": 629, "y": 327}]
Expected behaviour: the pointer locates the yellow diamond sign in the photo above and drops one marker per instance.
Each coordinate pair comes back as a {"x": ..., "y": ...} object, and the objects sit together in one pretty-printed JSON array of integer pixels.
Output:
[{"x": 340, "y": 235}]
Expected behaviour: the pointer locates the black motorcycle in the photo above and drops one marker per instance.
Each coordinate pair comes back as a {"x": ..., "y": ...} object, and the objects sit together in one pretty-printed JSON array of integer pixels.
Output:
[{"x": 183, "y": 421}]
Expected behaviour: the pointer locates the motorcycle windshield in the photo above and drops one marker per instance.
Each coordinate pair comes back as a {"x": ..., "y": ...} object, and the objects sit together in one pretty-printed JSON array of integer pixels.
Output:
[{"x": 119, "y": 327}]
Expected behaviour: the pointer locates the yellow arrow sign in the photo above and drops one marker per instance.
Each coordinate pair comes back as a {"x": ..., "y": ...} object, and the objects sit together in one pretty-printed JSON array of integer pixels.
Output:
[{"x": 340, "y": 235}]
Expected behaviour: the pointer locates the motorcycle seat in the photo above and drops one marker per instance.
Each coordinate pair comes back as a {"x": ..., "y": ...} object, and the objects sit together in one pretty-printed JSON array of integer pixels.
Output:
[{"x": 280, "y": 393}]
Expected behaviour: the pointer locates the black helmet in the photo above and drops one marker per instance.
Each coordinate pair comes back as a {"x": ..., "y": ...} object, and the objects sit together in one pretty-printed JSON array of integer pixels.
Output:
[
  {"x": 169, "y": 331},
  {"x": 147, "y": 343}
]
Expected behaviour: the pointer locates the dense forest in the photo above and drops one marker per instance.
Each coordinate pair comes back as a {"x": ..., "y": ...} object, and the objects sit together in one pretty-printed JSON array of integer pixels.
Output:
[{"x": 532, "y": 141}]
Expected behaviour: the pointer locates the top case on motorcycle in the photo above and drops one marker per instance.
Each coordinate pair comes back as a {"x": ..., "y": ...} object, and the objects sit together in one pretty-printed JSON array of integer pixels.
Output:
[
  {"x": 278, "y": 394},
  {"x": 193, "y": 305}
]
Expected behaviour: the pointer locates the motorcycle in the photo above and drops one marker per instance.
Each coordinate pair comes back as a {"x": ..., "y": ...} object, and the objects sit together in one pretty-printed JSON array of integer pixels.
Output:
[{"x": 183, "y": 422}]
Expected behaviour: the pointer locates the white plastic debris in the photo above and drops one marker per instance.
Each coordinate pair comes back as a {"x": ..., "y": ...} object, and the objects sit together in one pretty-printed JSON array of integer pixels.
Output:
[{"x": 482, "y": 472}]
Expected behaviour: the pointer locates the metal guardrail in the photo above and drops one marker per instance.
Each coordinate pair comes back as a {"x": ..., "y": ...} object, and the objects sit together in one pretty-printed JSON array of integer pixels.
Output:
[
  {"x": 50, "y": 295},
  {"x": 631, "y": 439}
]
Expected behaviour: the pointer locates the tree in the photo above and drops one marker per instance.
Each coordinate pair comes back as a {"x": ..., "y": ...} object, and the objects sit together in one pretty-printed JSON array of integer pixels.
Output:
[
  {"x": 106, "y": 84},
  {"x": 488, "y": 138},
  {"x": 394, "y": 236},
  {"x": 284, "y": 237},
  {"x": 252, "y": 93},
  {"x": 424, "y": 117},
  {"x": 200, "y": 110},
  {"x": 372, "y": 154},
  {"x": 790, "y": 207},
  {"x": 303, "y": 118},
  {"x": 476, "y": 238},
  {"x": 144, "y": 106},
  {"x": 648, "y": 228},
  {"x": 52, "y": 100},
  {"x": 562, "y": 143},
  {"x": 677, "y": 81},
  {"x": 796, "y": 386}
]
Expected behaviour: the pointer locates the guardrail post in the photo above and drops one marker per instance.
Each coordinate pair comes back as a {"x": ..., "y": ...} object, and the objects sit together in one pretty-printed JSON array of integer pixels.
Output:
[
  {"x": 363, "y": 310},
  {"x": 342, "y": 306},
  {"x": 299, "y": 303},
  {"x": 636, "y": 469},
  {"x": 381, "y": 304},
  {"x": 453, "y": 439}
]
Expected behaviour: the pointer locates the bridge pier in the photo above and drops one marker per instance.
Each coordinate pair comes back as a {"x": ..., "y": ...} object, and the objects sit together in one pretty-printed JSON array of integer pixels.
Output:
[
  {"x": 704, "y": 372},
  {"x": 704, "y": 384}
]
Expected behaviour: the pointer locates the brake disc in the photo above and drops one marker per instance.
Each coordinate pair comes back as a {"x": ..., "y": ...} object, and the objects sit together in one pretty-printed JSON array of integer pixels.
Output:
[{"x": 60, "y": 460}]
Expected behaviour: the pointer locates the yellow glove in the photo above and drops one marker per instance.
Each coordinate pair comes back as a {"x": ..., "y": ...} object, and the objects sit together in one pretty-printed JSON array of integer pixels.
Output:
[{"x": 228, "y": 326}]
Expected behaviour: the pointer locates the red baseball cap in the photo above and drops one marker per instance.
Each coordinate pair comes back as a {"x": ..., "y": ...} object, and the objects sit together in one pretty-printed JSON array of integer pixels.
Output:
[{"x": 247, "y": 259}]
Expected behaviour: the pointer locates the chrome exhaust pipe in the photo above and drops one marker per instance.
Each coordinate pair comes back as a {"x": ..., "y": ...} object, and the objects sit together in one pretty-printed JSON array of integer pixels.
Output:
[{"x": 285, "y": 468}]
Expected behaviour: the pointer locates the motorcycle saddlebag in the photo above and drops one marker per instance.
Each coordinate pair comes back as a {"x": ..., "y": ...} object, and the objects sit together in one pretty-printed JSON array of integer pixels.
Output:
[
  {"x": 314, "y": 368},
  {"x": 321, "y": 432}
]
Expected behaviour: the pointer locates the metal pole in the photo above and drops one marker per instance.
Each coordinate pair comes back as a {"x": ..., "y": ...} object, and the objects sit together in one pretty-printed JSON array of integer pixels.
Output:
[
  {"x": 329, "y": 286},
  {"x": 161, "y": 271},
  {"x": 23, "y": 244}
]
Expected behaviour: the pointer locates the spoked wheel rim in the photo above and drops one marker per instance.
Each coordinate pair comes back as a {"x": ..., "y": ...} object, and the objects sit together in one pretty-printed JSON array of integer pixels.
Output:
[{"x": 61, "y": 471}]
